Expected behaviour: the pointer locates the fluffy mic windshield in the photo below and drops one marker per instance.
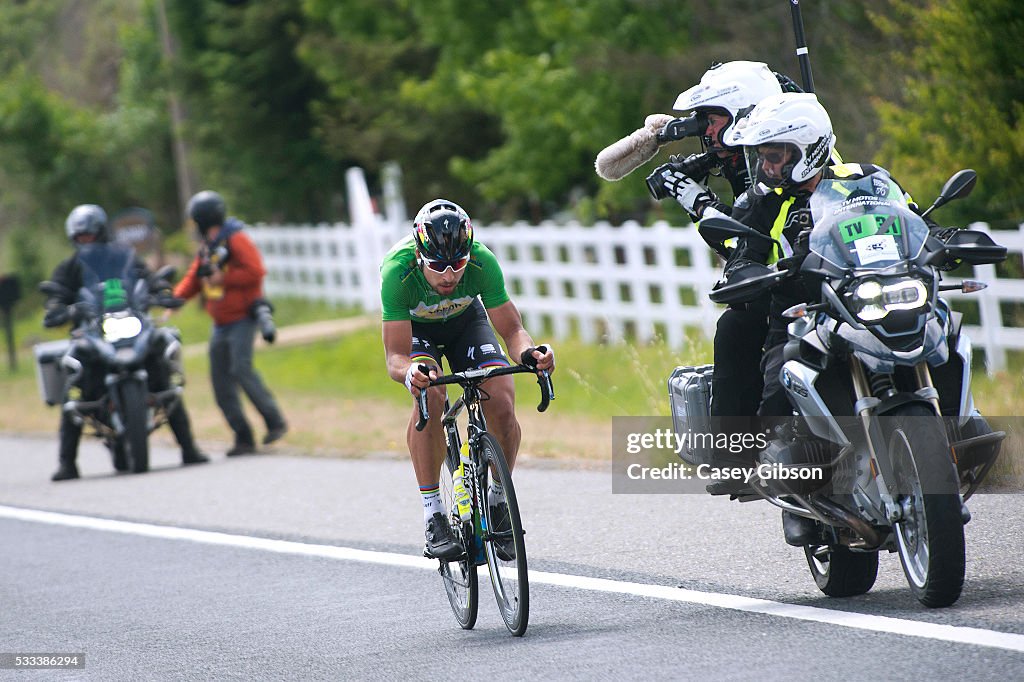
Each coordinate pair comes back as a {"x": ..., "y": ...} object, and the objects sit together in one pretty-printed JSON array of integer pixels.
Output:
[{"x": 621, "y": 158}]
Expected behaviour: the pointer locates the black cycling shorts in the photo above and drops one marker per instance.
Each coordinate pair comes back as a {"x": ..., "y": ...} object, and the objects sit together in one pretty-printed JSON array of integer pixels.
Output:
[{"x": 467, "y": 341}]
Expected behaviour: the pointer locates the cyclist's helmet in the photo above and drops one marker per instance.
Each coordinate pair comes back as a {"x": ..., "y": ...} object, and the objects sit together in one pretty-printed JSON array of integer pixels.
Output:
[
  {"x": 731, "y": 89},
  {"x": 207, "y": 209},
  {"x": 86, "y": 219},
  {"x": 794, "y": 124},
  {"x": 443, "y": 232}
]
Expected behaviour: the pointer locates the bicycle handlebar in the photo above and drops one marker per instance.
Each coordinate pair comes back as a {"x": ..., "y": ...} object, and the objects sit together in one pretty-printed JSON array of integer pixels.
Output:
[{"x": 477, "y": 376}]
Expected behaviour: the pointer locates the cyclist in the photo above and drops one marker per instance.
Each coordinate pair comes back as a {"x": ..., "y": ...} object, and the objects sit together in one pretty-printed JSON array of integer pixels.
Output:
[{"x": 439, "y": 290}]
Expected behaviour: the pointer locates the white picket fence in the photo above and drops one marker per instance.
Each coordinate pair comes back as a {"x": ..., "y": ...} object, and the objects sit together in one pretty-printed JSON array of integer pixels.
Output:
[{"x": 600, "y": 282}]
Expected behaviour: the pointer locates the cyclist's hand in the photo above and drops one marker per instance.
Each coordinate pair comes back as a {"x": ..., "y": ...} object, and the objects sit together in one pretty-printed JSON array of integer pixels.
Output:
[
  {"x": 418, "y": 377},
  {"x": 539, "y": 358}
]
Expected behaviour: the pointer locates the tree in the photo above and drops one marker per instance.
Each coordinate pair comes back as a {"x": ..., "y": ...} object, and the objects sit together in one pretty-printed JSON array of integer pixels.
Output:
[
  {"x": 963, "y": 104},
  {"x": 248, "y": 97}
]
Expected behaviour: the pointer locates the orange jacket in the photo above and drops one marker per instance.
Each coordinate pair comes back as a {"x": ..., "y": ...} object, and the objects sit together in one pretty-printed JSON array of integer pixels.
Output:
[{"x": 243, "y": 282}]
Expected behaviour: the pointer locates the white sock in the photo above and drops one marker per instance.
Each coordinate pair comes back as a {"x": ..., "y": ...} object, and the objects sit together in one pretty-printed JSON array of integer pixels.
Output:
[
  {"x": 432, "y": 503},
  {"x": 495, "y": 493}
]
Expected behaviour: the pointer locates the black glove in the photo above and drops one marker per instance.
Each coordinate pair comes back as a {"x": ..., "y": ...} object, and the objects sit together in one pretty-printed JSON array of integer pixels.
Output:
[
  {"x": 56, "y": 316},
  {"x": 526, "y": 358},
  {"x": 793, "y": 262},
  {"x": 165, "y": 299},
  {"x": 79, "y": 311}
]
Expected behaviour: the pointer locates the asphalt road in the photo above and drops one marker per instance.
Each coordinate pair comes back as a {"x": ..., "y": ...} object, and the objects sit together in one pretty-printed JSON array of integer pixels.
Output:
[{"x": 312, "y": 573}]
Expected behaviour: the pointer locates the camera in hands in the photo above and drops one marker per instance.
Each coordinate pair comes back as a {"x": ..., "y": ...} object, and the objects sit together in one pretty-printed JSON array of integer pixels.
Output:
[{"x": 696, "y": 166}]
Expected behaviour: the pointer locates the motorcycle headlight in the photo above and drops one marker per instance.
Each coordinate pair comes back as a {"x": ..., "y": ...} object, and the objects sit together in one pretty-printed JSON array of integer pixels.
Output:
[
  {"x": 871, "y": 300},
  {"x": 117, "y": 328}
]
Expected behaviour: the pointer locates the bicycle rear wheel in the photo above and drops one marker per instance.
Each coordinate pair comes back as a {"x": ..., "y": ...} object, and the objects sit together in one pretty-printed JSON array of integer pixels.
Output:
[
  {"x": 504, "y": 545},
  {"x": 460, "y": 576}
]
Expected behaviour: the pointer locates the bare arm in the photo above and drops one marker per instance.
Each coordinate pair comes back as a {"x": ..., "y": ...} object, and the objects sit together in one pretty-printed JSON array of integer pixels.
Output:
[
  {"x": 397, "y": 336},
  {"x": 509, "y": 324}
]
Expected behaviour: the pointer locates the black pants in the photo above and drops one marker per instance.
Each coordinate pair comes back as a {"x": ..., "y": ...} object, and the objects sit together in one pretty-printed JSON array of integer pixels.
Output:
[
  {"x": 737, "y": 383},
  {"x": 774, "y": 400}
]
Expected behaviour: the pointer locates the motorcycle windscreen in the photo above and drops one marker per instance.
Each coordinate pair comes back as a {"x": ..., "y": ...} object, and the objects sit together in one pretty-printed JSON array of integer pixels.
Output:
[
  {"x": 108, "y": 272},
  {"x": 865, "y": 224}
]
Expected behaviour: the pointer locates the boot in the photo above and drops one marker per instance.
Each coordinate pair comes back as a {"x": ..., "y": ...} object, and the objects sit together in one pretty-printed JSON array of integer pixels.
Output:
[
  {"x": 65, "y": 472},
  {"x": 245, "y": 444},
  {"x": 177, "y": 419},
  {"x": 70, "y": 433}
]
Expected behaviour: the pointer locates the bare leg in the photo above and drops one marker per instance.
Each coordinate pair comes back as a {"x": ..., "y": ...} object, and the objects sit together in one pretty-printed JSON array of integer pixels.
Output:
[
  {"x": 500, "y": 411},
  {"x": 426, "y": 447}
]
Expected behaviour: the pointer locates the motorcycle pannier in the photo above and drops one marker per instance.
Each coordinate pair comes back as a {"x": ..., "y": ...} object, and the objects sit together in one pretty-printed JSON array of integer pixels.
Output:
[
  {"x": 689, "y": 395},
  {"x": 49, "y": 371}
]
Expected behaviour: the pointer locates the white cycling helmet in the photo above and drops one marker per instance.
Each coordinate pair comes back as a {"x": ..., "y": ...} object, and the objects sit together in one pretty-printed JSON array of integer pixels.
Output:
[
  {"x": 795, "y": 120},
  {"x": 734, "y": 87}
]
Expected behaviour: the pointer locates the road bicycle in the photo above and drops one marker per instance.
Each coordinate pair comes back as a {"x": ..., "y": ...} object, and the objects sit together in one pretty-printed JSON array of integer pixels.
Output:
[{"x": 497, "y": 542}]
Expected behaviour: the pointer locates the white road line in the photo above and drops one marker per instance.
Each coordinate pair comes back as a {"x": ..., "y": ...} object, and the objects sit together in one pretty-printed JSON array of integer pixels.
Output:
[{"x": 860, "y": 621}]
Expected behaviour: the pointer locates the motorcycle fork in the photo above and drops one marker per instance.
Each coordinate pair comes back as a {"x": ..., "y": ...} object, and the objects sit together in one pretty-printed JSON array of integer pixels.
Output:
[
  {"x": 925, "y": 388},
  {"x": 865, "y": 404}
]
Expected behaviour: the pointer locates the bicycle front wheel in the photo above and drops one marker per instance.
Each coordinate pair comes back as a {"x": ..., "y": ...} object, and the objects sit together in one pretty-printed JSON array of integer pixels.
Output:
[
  {"x": 460, "y": 576},
  {"x": 504, "y": 544}
]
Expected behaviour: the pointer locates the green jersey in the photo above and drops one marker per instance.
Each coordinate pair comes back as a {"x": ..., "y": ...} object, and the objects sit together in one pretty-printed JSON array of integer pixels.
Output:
[{"x": 405, "y": 294}]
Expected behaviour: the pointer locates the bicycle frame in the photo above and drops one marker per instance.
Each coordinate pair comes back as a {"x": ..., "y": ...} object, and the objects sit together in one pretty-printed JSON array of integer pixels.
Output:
[{"x": 502, "y": 548}]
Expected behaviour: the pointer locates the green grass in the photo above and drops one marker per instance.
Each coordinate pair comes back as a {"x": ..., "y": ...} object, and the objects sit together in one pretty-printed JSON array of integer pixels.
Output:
[{"x": 592, "y": 381}]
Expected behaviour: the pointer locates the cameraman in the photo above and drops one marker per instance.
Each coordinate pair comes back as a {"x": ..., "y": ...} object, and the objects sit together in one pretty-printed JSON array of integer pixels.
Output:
[
  {"x": 87, "y": 224},
  {"x": 228, "y": 272},
  {"x": 725, "y": 94}
]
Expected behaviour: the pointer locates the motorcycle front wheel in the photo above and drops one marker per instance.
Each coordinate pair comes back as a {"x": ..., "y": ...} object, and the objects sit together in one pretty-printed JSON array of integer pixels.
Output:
[
  {"x": 135, "y": 413},
  {"x": 930, "y": 532}
]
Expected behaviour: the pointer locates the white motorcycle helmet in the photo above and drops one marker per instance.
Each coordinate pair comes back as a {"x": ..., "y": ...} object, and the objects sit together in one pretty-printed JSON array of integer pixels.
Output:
[
  {"x": 734, "y": 88},
  {"x": 792, "y": 129}
]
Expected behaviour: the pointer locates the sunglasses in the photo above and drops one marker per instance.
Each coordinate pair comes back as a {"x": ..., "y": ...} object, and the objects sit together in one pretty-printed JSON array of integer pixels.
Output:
[
  {"x": 774, "y": 156},
  {"x": 441, "y": 266}
]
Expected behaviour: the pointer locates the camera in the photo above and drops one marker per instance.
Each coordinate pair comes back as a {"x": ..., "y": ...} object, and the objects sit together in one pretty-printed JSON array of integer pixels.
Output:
[
  {"x": 263, "y": 312},
  {"x": 210, "y": 261},
  {"x": 696, "y": 166},
  {"x": 693, "y": 125}
]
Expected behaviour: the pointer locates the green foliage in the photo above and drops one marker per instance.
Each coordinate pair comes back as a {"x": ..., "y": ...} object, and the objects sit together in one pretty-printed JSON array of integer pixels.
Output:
[
  {"x": 502, "y": 106},
  {"x": 963, "y": 104},
  {"x": 251, "y": 132}
]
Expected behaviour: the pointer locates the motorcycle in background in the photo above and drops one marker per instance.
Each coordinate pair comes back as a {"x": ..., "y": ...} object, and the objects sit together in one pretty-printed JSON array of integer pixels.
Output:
[
  {"x": 878, "y": 371},
  {"x": 125, "y": 354}
]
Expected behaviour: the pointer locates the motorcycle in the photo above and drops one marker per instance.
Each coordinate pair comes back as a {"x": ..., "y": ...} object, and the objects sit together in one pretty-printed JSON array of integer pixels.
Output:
[
  {"x": 116, "y": 349},
  {"x": 885, "y": 445}
]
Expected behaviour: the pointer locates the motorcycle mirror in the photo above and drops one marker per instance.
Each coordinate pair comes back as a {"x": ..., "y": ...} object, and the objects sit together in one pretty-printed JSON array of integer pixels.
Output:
[{"x": 957, "y": 187}]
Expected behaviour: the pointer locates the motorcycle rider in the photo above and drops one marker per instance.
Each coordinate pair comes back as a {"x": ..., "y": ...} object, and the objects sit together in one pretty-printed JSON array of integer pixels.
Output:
[
  {"x": 87, "y": 224},
  {"x": 441, "y": 290},
  {"x": 788, "y": 140},
  {"x": 726, "y": 93}
]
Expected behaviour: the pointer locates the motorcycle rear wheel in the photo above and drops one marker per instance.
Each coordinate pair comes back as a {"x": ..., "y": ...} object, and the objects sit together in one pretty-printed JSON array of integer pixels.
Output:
[
  {"x": 930, "y": 533},
  {"x": 838, "y": 572}
]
